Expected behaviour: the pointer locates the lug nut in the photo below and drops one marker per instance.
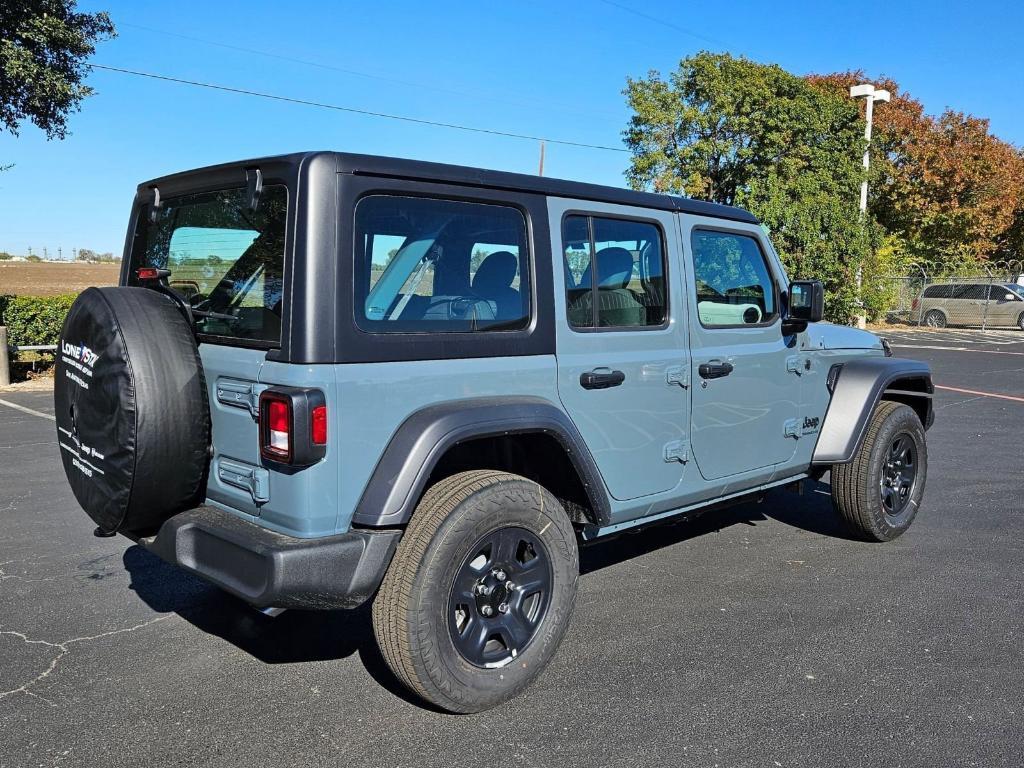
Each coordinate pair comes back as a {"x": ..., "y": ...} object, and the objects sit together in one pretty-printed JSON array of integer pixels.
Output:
[
  {"x": 487, "y": 610},
  {"x": 509, "y": 586},
  {"x": 500, "y": 575},
  {"x": 503, "y": 608}
]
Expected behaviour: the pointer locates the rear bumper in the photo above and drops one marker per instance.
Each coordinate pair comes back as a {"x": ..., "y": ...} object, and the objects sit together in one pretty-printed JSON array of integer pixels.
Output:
[{"x": 269, "y": 569}]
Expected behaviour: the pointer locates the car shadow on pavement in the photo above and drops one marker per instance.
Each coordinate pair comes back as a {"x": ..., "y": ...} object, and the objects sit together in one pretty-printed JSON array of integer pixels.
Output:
[
  {"x": 292, "y": 637},
  {"x": 811, "y": 511}
]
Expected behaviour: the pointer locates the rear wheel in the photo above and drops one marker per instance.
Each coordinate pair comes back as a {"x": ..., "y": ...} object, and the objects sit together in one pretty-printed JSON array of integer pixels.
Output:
[
  {"x": 879, "y": 492},
  {"x": 935, "y": 319},
  {"x": 480, "y": 591}
]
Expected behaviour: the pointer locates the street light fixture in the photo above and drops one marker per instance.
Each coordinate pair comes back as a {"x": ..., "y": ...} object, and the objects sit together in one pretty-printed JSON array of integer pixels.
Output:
[{"x": 871, "y": 94}]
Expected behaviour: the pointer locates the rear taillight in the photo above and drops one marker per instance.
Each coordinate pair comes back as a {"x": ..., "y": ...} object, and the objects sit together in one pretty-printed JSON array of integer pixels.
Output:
[
  {"x": 279, "y": 428},
  {"x": 913, "y": 305},
  {"x": 293, "y": 426}
]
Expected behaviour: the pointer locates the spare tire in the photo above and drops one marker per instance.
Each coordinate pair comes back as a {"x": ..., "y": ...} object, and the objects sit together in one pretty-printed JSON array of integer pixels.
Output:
[{"x": 133, "y": 420}]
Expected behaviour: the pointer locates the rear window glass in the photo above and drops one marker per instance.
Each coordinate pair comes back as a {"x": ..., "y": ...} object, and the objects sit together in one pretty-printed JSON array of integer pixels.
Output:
[
  {"x": 428, "y": 265},
  {"x": 226, "y": 259}
]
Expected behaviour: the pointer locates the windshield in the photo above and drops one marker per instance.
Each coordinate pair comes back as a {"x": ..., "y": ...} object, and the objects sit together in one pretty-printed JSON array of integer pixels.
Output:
[
  {"x": 225, "y": 259},
  {"x": 1014, "y": 288}
]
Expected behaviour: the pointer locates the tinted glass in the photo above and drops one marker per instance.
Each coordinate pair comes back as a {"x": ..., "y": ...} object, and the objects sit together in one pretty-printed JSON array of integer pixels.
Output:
[
  {"x": 628, "y": 259},
  {"x": 734, "y": 285},
  {"x": 226, "y": 259},
  {"x": 428, "y": 265}
]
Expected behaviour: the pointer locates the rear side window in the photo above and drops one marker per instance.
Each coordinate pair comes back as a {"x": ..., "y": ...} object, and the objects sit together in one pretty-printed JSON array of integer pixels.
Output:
[
  {"x": 937, "y": 292},
  {"x": 614, "y": 273},
  {"x": 226, "y": 259},
  {"x": 427, "y": 265},
  {"x": 734, "y": 284}
]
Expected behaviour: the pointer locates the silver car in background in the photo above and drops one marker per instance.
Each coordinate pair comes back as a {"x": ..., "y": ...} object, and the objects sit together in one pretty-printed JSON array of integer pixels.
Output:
[{"x": 970, "y": 303}]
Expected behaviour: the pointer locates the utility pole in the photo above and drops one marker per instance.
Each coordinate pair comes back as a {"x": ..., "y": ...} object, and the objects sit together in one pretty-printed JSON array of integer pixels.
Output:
[
  {"x": 871, "y": 94},
  {"x": 540, "y": 172}
]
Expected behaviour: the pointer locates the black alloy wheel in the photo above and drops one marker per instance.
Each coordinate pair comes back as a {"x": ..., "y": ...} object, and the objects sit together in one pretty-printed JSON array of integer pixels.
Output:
[
  {"x": 898, "y": 475},
  {"x": 500, "y": 597}
]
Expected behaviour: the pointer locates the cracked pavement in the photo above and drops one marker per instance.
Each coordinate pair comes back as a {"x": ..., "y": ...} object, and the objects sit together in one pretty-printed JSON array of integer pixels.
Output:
[{"x": 758, "y": 636}]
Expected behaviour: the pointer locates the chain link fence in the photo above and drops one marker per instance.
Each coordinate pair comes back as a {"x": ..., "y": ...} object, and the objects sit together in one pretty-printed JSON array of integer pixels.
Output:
[{"x": 992, "y": 298}]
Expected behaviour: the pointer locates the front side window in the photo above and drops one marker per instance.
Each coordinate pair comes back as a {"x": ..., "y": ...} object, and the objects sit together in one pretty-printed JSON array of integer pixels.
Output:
[
  {"x": 734, "y": 284},
  {"x": 614, "y": 273},
  {"x": 225, "y": 259},
  {"x": 427, "y": 265}
]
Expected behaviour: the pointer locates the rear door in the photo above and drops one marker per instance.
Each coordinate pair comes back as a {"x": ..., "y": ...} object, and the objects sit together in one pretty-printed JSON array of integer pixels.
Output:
[
  {"x": 226, "y": 257},
  {"x": 746, "y": 386},
  {"x": 621, "y": 341}
]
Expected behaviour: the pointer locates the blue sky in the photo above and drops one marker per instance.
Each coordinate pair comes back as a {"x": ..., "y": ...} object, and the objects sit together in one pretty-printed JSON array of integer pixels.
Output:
[{"x": 540, "y": 68}]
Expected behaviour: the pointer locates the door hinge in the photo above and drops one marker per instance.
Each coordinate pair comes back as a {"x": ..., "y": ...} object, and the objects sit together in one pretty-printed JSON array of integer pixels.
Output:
[
  {"x": 678, "y": 374},
  {"x": 677, "y": 450},
  {"x": 255, "y": 480},
  {"x": 791, "y": 428},
  {"x": 240, "y": 394}
]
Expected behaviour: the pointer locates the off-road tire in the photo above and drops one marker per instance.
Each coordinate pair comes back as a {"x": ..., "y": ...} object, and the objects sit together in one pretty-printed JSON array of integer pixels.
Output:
[
  {"x": 936, "y": 318},
  {"x": 857, "y": 485},
  {"x": 411, "y": 610}
]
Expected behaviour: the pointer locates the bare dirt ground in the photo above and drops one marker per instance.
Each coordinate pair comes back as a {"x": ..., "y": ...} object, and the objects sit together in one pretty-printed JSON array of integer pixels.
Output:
[{"x": 25, "y": 278}]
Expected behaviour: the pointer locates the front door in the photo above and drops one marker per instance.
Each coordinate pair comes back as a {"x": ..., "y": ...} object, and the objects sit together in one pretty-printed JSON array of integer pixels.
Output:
[
  {"x": 746, "y": 384},
  {"x": 621, "y": 341}
]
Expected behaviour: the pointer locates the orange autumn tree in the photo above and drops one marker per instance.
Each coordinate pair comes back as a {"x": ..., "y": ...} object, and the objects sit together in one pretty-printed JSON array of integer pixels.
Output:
[{"x": 950, "y": 192}]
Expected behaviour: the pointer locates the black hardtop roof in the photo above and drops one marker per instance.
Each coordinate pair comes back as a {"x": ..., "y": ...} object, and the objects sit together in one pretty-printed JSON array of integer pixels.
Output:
[{"x": 376, "y": 165}]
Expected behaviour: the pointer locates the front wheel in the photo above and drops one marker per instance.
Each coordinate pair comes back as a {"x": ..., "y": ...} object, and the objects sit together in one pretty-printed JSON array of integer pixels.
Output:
[
  {"x": 879, "y": 492},
  {"x": 480, "y": 591},
  {"x": 1020, "y": 321}
]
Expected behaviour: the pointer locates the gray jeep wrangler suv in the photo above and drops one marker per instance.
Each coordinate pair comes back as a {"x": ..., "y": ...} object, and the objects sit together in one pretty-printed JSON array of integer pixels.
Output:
[{"x": 329, "y": 378}]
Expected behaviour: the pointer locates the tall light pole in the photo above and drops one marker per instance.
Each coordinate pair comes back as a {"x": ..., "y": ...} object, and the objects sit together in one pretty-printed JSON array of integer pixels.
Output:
[{"x": 871, "y": 94}]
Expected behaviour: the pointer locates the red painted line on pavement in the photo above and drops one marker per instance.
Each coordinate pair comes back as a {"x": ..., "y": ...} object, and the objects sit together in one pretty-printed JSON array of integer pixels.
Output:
[{"x": 982, "y": 394}]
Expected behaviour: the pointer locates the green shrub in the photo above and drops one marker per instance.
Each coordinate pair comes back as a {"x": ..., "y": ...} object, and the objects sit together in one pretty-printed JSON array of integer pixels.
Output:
[{"x": 34, "y": 319}]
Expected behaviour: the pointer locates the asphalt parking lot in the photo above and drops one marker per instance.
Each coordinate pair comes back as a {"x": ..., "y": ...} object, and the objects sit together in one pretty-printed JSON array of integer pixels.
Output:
[{"x": 759, "y": 636}]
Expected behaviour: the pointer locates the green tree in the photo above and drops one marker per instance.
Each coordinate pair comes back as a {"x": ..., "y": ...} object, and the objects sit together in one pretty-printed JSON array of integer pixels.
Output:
[
  {"x": 738, "y": 132},
  {"x": 44, "y": 46}
]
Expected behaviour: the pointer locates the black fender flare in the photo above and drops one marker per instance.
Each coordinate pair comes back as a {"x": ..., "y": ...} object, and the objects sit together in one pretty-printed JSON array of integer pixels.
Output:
[
  {"x": 858, "y": 386},
  {"x": 415, "y": 448}
]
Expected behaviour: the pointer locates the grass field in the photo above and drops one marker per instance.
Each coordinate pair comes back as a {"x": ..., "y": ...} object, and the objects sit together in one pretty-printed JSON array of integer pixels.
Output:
[{"x": 25, "y": 278}]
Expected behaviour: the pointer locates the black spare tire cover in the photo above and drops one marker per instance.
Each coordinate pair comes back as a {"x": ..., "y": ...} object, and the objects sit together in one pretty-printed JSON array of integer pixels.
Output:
[{"x": 133, "y": 420}]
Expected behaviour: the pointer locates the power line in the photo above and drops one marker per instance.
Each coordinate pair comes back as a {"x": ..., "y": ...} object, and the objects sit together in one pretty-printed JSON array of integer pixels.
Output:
[
  {"x": 354, "y": 110},
  {"x": 663, "y": 22},
  {"x": 360, "y": 73}
]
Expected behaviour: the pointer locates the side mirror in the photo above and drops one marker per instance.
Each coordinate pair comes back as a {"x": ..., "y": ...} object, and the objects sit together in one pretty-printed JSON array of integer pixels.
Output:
[
  {"x": 1009, "y": 297},
  {"x": 806, "y": 305}
]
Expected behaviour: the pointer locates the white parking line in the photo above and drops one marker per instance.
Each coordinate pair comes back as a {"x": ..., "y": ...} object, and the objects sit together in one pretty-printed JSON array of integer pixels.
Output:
[
  {"x": 956, "y": 349},
  {"x": 23, "y": 409}
]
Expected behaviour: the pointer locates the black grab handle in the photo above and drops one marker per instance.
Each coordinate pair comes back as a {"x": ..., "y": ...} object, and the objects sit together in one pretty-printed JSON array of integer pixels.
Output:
[
  {"x": 714, "y": 370},
  {"x": 601, "y": 379}
]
